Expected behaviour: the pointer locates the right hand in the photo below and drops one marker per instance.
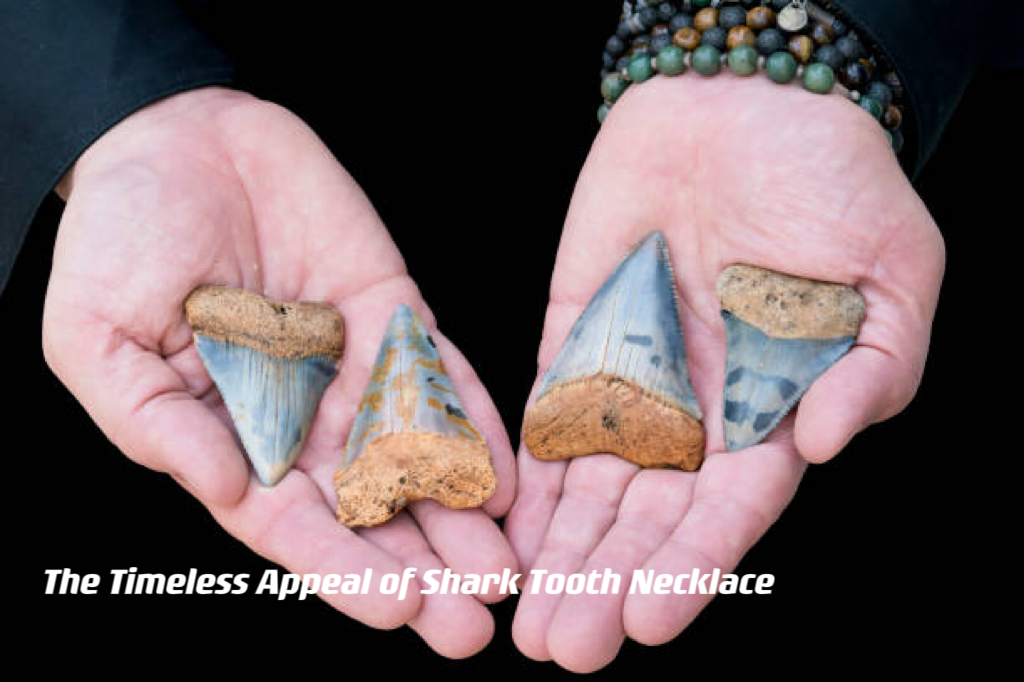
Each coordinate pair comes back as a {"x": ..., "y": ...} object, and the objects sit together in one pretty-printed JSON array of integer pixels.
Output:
[{"x": 215, "y": 186}]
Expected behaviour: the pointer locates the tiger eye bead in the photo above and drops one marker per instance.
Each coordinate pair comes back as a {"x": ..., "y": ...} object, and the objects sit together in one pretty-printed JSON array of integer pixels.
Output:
[
  {"x": 705, "y": 19},
  {"x": 822, "y": 34},
  {"x": 739, "y": 35},
  {"x": 687, "y": 38},
  {"x": 760, "y": 18},
  {"x": 893, "y": 117},
  {"x": 802, "y": 48}
]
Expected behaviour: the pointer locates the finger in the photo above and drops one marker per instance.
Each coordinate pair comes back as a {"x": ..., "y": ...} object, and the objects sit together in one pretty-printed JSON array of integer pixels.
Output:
[
  {"x": 539, "y": 489},
  {"x": 289, "y": 524},
  {"x": 453, "y": 625},
  {"x": 737, "y": 497},
  {"x": 468, "y": 541},
  {"x": 593, "y": 488},
  {"x": 586, "y": 631}
]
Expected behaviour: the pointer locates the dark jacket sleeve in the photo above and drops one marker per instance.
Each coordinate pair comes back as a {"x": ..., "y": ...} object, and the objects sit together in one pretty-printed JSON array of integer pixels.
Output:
[
  {"x": 71, "y": 70},
  {"x": 935, "y": 47}
]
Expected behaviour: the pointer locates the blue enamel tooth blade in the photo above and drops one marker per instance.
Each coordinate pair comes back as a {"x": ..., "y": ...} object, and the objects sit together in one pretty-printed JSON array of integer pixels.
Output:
[
  {"x": 782, "y": 333},
  {"x": 271, "y": 363}
]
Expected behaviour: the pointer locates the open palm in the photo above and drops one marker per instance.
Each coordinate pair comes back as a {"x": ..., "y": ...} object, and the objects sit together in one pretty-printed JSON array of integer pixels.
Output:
[
  {"x": 214, "y": 186},
  {"x": 732, "y": 171}
]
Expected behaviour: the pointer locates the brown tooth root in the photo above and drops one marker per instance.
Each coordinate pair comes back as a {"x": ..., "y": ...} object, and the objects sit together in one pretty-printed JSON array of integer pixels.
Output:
[
  {"x": 399, "y": 468},
  {"x": 606, "y": 413}
]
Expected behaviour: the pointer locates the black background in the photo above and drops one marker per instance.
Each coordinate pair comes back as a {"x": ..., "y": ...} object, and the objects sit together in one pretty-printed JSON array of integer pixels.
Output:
[{"x": 466, "y": 126}]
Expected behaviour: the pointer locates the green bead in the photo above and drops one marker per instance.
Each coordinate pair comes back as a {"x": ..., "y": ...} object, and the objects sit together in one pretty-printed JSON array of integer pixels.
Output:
[
  {"x": 700, "y": 4},
  {"x": 819, "y": 78},
  {"x": 888, "y": 135},
  {"x": 602, "y": 111},
  {"x": 672, "y": 60},
  {"x": 640, "y": 68},
  {"x": 872, "y": 106},
  {"x": 743, "y": 60},
  {"x": 781, "y": 67},
  {"x": 613, "y": 86},
  {"x": 707, "y": 60}
]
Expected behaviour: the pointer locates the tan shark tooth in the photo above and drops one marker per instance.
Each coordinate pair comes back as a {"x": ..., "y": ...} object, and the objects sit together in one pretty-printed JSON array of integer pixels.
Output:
[
  {"x": 782, "y": 333},
  {"x": 411, "y": 439},
  {"x": 620, "y": 383},
  {"x": 271, "y": 362}
]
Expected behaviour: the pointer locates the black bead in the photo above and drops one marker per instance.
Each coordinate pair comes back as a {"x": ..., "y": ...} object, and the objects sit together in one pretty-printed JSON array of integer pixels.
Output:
[
  {"x": 607, "y": 61},
  {"x": 622, "y": 63},
  {"x": 770, "y": 41},
  {"x": 897, "y": 140},
  {"x": 749, "y": 3},
  {"x": 648, "y": 17},
  {"x": 731, "y": 15},
  {"x": 830, "y": 54},
  {"x": 624, "y": 31},
  {"x": 716, "y": 36},
  {"x": 854, "y": 76},
  {"x": 660, "y": 42},
  {"x": 850, "y": 47},
  {"x": 680, "y": 21},
  {"x": 881, "y": 92},
  {"x": 779, "y": 5},
  {"x": 839, "y": 28},
  {"x": 665, "y": 11},
  {"x": 615, "y": 46}
]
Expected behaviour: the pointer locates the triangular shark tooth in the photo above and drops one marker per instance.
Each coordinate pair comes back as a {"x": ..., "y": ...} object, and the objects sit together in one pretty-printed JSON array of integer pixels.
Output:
[
  {"x": 271, "y": 362},
  {"x": 620, "y": 384},
  {"x": 411, "y": 438},
  {"x": 782, "y": 333}
]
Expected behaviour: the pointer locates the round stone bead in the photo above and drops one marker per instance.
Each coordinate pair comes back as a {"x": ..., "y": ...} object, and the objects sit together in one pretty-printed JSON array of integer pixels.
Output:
[
  {"x": 822, "y": 34},
  {"x": 687, "y": 6},
  {"x": 648, "y": 17},
  {"x": 623, "y": 62},
  {"x": 615, "y": 46},
  {"x": 679, "y": 21},
  {"x": 770, "y": 40},
  {"x": 660, "y": 42},
  {"x": 897, "y": 141},
  {"x": 701, "y": 3},
  {"x": 707, "y": 60},
  {"x": 830, "y": 54},
  {"x": 665, "y": 11},
  {"x": 687, "y": 38},
  {"x": 624, "y": 30},
  {"x": 854, "y": 76},
  {"x": 872, "y": 106},
  {"x": 749, "y": 3},
  {"x": 869, "y": 65},
  {"x": 781, "y": 67},
  {"x": 743, "y": 60},
  {"x": 893, "y": 117},
  {"x": 715, "y": 36},
  {"x": 779, "y": 5},
  {"x": 850, "y": 47},
  {"x": 893, "y": 81},
  {"x": 839, "y": 28},
  {"x": 607, "y": 61},
  {"x": 660, "y": 30},
  {"x": 881, "y": 92},
  {"x": 760, "y": 18},
  {"x": 612, "y": 86},
  {"x": 739, "y": 35},
  {"x": 602, "y": 112},
  {"x": 705, "y": 19},
  {"x": 640, "y": 68},
  {"x": 801, "y": 47},
  {"x": 819, "y": 78},
  {"x": 641, "y": 42},
  {"x": 731, "y": 15},
  {"x": 671, "y": 60},
  {"x": 888, "y": 135}
]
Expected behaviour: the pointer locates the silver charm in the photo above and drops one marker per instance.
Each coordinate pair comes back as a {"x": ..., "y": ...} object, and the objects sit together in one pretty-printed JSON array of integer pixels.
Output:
[{"x": 793, "y": 17}]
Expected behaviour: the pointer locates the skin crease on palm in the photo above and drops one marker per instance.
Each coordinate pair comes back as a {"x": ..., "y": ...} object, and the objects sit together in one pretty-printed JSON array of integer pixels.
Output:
[
  {"x": 215, "y": 186},
  {"x": 731, "y": 170}
]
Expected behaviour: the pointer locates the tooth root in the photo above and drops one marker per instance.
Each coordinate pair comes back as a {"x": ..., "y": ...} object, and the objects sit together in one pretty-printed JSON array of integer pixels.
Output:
[
  {"x": 782, "y": 333},
  {"x": 620, "y": 384},
  {"x": 271, "y": 363},
  {"x": 411, "y": 438}
]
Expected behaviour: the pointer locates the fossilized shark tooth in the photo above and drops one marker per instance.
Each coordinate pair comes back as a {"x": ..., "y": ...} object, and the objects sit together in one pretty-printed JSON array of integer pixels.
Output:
[
  {"x": 411, "y": 439},
  {"x": 782, "y": 333},
  {"x": 619, "y": 384},
  {"x": 271, "y": 363}
]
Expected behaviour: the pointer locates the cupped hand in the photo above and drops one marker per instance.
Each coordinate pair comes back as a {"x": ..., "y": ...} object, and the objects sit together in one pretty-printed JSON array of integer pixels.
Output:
[
  {"x": 215, "y": 186},
  {"x": 732, "y": 171}
]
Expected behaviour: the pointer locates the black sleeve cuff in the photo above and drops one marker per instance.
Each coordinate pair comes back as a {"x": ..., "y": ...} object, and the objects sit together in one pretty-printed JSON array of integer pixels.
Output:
[{"x": 71, "y": 70}]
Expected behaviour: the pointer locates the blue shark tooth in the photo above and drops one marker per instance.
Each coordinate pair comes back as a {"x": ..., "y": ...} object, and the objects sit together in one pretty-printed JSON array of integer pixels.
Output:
[
  {"x": 620, "y": 383},
  {"x": 782, "y": 333},
  {"x": 271, "y": 362},
  {"x": 411, "y": 438}
]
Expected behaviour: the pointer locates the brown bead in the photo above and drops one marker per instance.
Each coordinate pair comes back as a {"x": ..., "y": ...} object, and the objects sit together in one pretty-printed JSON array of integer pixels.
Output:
[
  {"x": 760, "y": 18},
  {"x": 893, "y": 117},
  {"x": 739, "y": 35},
  {"x": 705, "y": 19},
  {"x": 801, "y": 47},
  {"x": 659, "y": 30},
  {"x": 687, "y": 38},
  {"x": 822, "y": 34}
]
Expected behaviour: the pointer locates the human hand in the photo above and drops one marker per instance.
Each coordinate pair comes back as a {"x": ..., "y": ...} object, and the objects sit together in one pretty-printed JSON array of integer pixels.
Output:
[
  {"x": 215, "y": 186},
  {"x": 732, "y": 171}
]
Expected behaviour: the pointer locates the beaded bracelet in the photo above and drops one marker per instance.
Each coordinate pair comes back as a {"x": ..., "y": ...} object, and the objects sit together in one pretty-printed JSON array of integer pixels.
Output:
[{"x": 786, "y": 38}]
